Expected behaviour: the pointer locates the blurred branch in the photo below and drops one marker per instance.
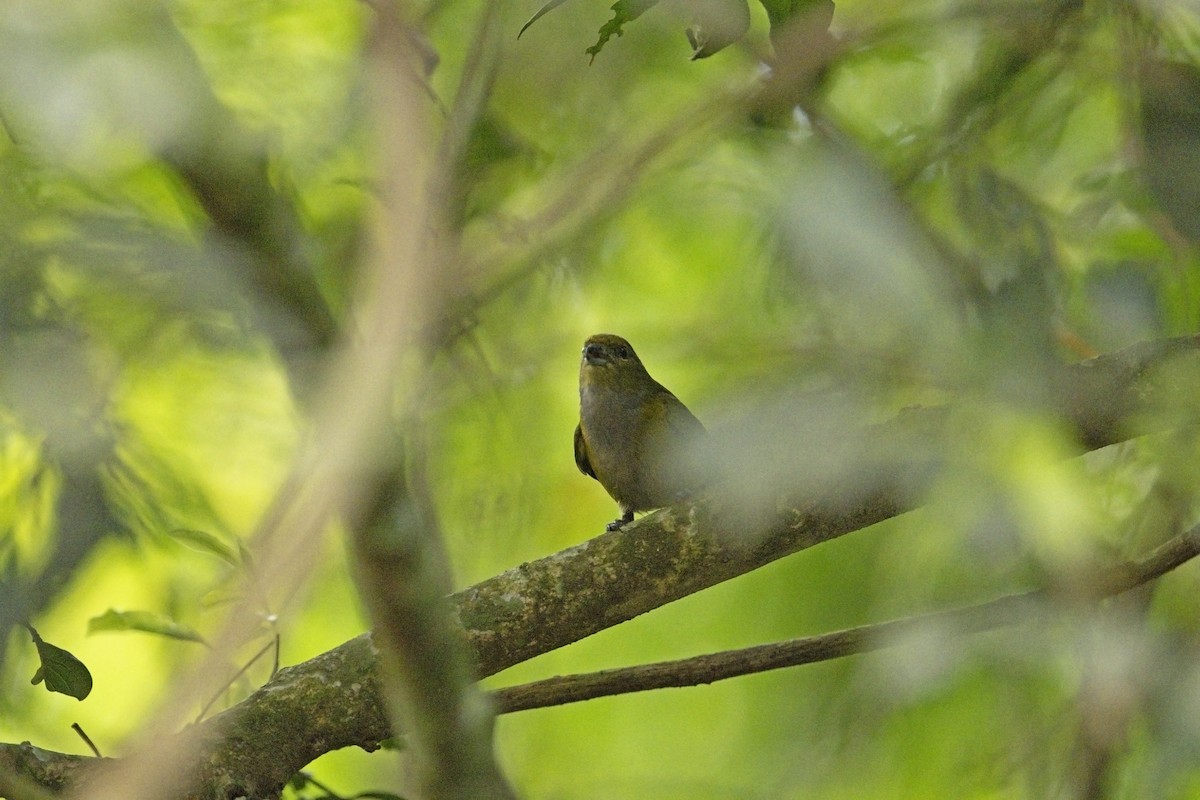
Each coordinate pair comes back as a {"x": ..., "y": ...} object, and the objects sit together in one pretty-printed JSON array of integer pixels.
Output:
[
  {"x": 333, "y": 700},
  {"x": 1110, "y": 701},
  {"x": 403, "y": 577},
  {"x": 46, "y": 382},
  {"x": 226, "y": 168},
  {"x": 451, "y": 189},
  {"x": 402, "y": 570},
  {"x": 505, "y": 252},
  {"x": 31, "y": 773},
  {"x": 254, "y": 226},
  {"x": 1028, "y": 32},
  {"x": 1004, "y": 611},
  {"x": 511, "y": 248},
  {"x": 83, "y": 519}
]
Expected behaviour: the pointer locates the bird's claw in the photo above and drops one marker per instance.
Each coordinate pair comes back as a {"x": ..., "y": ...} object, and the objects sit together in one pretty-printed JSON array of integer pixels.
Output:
[{"x": 619, "y": 523}]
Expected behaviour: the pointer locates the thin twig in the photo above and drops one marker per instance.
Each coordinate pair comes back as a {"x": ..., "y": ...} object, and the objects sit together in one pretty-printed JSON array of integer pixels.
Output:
[
  {"x": 75, "y": 726},
  {"x": 712, "y": 667},
  {"x": 274, "y": 642}
]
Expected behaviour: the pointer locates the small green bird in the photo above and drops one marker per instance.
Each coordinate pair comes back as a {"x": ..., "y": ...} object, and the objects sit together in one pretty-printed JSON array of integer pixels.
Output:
[{"x": 633, "y": 436}]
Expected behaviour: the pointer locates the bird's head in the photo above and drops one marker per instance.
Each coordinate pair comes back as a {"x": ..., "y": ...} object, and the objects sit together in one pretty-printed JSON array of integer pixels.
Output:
[{"x": 610, "y": 360}]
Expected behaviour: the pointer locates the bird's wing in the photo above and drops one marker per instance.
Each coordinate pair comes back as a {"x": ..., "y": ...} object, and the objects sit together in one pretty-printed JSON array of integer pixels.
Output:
[
  {"x": 581, "y": 455},
  {"x": 681, "y": 422},
  {"x": 690, "y": 470}
]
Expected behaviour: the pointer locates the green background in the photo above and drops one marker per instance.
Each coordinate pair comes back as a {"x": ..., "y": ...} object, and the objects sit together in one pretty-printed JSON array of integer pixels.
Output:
[{"x": 763, "y": 273}]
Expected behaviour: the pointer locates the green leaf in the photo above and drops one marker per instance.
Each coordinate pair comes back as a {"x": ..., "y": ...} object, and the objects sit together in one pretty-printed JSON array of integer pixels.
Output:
[
  {"x": 206, "y": 542},
  {"x": 61, "y": 671},
  {"x": 144, "y": 621},
  {"x": 716, "y": 24},
  {"x": 623, "y": 11},
  {"x": 541, "y": 12}
]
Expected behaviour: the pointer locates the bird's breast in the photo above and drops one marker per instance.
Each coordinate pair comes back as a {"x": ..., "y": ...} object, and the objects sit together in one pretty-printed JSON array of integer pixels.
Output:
[{"x": 620, "y": 447}]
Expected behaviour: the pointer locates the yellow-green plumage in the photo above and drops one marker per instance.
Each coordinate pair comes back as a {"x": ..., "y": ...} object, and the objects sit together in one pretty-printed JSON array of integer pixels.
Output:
[{"x": 633, "y": 434}]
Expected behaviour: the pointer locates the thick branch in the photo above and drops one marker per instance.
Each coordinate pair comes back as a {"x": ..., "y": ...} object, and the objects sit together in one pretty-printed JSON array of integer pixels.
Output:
[
  {"x": 545, "y": 604},
  {"x": 1008, "y": 610},
  {"x": 332, "y": 701}
]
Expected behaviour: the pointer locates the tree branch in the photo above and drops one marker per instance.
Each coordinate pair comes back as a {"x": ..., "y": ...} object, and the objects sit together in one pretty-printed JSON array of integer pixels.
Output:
[
  {"x": 1003, "y": 611},
  {"x": 333, "y": 701},
  {"x": 402, "y": 570},
  {"x": 540, "y": 606}
]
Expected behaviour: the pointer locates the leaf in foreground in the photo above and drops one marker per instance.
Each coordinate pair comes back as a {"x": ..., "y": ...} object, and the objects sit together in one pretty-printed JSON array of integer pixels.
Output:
[
  {"x": 144, "y": 621},
  {"x": 61, "y": 671}
]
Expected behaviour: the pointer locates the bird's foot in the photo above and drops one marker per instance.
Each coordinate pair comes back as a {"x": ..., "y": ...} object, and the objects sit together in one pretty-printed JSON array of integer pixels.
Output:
[{"x": 619, "y": 523}]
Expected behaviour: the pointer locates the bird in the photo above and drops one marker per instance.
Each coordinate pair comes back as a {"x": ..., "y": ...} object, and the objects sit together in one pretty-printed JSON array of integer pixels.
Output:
[{"x": 634, "y": 436}]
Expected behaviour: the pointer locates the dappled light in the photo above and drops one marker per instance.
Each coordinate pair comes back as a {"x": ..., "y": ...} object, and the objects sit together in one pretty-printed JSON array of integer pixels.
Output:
[{"x": 876, "y": 325}]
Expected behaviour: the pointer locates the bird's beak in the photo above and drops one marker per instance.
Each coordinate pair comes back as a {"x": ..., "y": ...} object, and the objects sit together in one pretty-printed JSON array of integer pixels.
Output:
[{"x": 594, "y": 354}]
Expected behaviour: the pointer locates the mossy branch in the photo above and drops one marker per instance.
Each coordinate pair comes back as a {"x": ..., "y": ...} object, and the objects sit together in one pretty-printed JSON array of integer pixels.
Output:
[{"x": 332, "y": 701}]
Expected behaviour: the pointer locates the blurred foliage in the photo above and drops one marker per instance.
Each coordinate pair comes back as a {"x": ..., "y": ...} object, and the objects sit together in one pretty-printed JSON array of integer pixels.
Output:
[{"x": 968, "y": 194}]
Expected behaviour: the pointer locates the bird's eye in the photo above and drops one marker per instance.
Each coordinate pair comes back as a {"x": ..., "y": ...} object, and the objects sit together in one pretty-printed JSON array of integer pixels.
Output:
[{"x": 623, "y": 351}]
